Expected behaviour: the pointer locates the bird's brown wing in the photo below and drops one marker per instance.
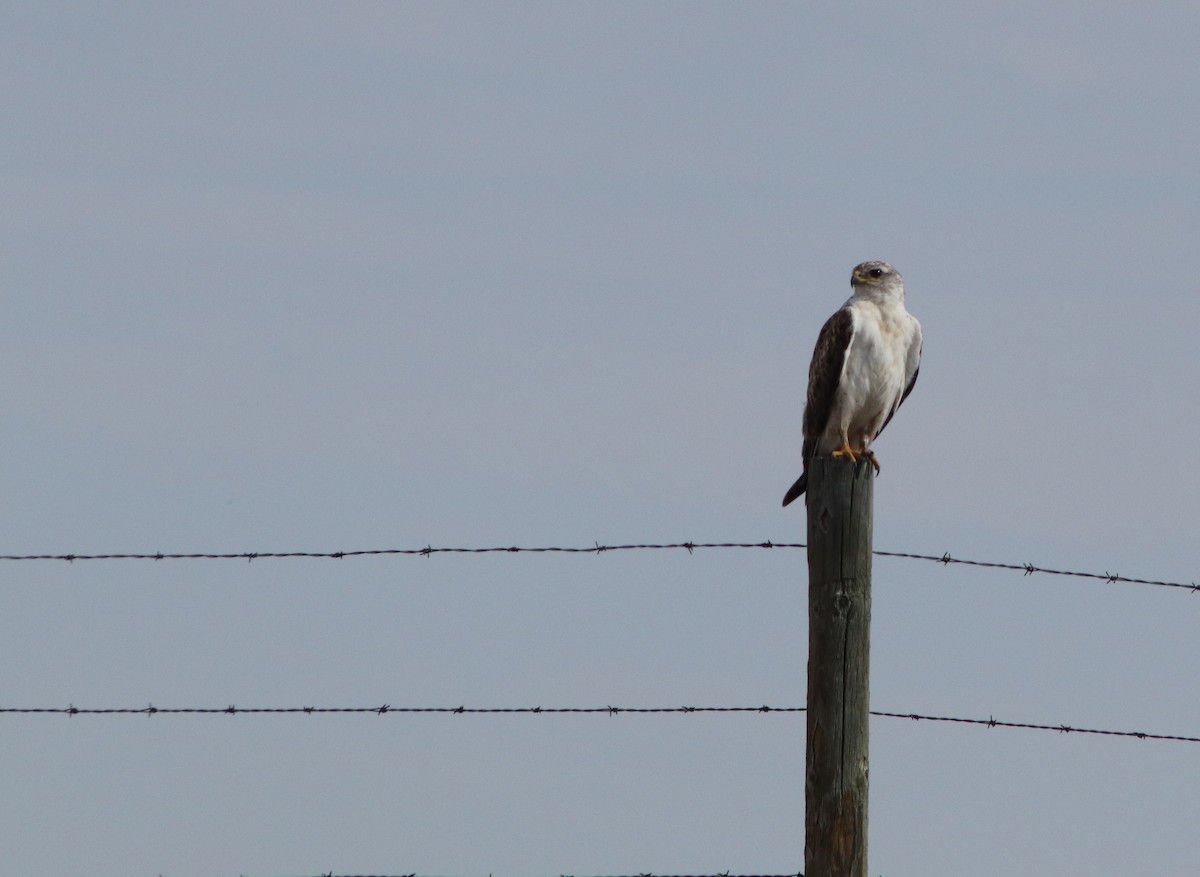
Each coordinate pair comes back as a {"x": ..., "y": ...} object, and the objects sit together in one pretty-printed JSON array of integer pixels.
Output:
[{"x": 824, "y": 374}]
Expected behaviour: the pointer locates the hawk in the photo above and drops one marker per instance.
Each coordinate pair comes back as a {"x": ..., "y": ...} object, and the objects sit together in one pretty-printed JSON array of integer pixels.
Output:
[{"x": 863, "y": 368}]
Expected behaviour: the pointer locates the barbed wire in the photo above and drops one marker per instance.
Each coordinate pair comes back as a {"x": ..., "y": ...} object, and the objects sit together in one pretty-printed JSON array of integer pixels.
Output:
[
  {"x": 151, "y": 710},
  {"x": 945, "y": 559},
  {"x": 428, "y": 550},
  {"x": 388, "y": 708},
  {"x": 646, "y": 874},
  {"x": 991, "y": 722}
]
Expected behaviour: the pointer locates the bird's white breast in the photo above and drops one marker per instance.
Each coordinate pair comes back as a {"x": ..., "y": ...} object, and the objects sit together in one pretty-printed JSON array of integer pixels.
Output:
[{"x": 874, "y": 371}]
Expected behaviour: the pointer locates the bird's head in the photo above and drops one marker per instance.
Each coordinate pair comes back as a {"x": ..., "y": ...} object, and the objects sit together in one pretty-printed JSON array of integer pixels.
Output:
[{"x": 877, "y": 276}]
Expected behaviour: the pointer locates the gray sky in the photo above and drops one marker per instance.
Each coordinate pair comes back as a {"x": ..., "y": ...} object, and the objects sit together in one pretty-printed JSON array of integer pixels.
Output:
[{"x": 334, "y": 277}]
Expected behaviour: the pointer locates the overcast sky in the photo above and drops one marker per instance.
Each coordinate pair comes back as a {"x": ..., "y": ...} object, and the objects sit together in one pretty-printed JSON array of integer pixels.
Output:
[{"x": 321, "y": 277}]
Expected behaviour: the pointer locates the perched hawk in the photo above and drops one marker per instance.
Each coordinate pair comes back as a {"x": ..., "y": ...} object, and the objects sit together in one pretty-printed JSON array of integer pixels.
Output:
[{"x": 864, "y": 366}]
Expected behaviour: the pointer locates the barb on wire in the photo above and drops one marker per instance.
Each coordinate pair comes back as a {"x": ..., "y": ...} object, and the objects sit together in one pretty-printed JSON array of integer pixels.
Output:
[
  {"x": 151, "y": 710},
  {"x": 945, "y": 559}
]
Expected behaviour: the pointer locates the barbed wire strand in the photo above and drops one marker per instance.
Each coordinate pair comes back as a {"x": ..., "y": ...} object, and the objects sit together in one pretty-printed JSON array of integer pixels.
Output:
[
  {"x": 945, "y": 559},
  {"x": 151, "y": 710},
  {"x": 388, "y": 708},
  {"x": 647, "y": 874},
  {"x": 726, "y": 874}
]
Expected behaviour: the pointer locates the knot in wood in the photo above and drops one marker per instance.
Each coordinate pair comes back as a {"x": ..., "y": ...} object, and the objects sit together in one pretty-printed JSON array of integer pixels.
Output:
[{"x": 823, "y": 519}]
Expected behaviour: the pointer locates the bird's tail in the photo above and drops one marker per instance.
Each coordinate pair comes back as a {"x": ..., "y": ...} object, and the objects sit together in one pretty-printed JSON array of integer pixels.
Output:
[{"x": 796, "y": 489}]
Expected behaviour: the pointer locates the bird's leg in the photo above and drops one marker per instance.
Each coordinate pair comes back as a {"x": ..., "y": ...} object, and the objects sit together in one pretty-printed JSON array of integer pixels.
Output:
[
  {"x": 846, "y": 451},
  {"x": 870, "y": 455}
]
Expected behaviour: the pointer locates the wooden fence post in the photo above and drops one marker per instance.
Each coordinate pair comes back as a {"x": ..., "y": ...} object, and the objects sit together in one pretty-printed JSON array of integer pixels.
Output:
[{"x": 840, "y": 511}]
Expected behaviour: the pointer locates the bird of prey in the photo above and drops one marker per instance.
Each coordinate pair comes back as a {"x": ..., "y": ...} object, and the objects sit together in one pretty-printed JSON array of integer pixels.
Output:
[{"x": 864, "y": 366}]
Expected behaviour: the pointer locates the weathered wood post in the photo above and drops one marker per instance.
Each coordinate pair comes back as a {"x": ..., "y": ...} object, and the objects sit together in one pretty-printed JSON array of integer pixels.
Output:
[{"x": 840, "y": 511}]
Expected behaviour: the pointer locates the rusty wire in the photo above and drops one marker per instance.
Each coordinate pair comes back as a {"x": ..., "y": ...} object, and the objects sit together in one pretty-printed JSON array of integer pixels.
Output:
[{"x": 945, "y": 558}]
